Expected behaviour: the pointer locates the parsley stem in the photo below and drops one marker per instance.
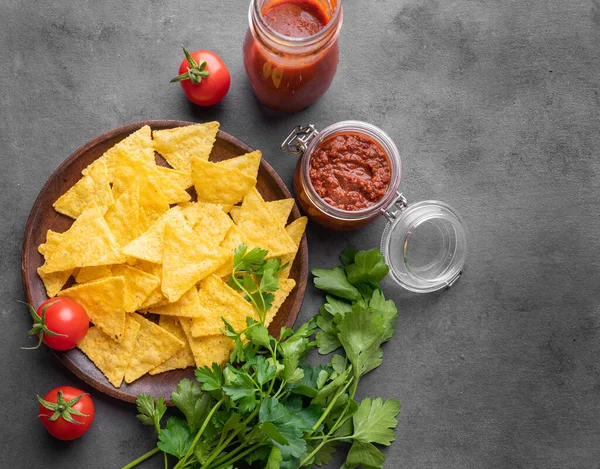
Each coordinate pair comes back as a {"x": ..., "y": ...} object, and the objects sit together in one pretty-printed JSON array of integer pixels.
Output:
[
  {"x": 190, "y": 450},
  {"x": 142, "y": 458},
  {"x": 238, "y": 457},
  {"x": 329, "y": 407}
]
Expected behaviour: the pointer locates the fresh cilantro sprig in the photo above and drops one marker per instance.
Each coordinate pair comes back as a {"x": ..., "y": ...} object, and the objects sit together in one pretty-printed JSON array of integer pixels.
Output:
[{"x": 272, "y": 409}]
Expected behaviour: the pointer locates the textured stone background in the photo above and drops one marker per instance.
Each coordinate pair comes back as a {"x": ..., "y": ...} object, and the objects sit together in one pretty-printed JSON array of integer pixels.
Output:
[{"x": 494, "y": 106}]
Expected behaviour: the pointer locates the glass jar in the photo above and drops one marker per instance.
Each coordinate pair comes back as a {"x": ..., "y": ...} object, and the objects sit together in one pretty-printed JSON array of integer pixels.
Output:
[
  {"x": 424, "y": 244},
  {"x": 290, "y": 73}
]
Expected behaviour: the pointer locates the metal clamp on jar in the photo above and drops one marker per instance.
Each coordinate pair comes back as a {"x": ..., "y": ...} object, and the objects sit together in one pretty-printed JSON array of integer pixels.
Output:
[{"x": 424, "y": 244}]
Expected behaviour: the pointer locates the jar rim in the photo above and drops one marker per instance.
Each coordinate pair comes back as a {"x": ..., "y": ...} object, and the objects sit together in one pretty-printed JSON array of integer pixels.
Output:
[
  {"x": 389, "y": 147},
  {"x": 333, "y": 26}
]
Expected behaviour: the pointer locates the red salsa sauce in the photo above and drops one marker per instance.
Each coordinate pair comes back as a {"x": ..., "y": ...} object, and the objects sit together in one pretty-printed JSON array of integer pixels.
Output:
[
  {"x": 295, "y": 19},
  {"x": 350, "y": 171}
]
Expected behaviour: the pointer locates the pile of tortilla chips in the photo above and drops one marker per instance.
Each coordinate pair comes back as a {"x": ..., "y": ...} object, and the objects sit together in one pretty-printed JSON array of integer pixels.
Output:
[{"x": 150, "y": 264}]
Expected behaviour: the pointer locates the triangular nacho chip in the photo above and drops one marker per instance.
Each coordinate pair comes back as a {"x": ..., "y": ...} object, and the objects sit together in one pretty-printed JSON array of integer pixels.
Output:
[
  {"x": 92, "y": 188},
  {"x": 285, "y": 287},
  {"x": 181, "y": 178},
  {"x": 220, "y": 300},
  {"x": 188, "y": 306},
  {"x": 53, "y": 239},
  {"x": 53, "y": 282},
  {"x": 138, "y": 144},
  {"x": 181, "y": 359},
  {"x": 260, "y": 227},
  {"x": 89, "y": 242},
  {"x": 212, "y": 224},
  {"x": 153, "y": 204},
  {"x": 180, "y": 144},
  {"x": 153, "y": 346},
  {"x": 217, "y": 184},
  {"x": 233, "y": 239},
  {"x": 138, "y": 285},
  {"x": 104, "y": 301},
  {"x": 123, "y": 216},
  {"x": 209, "y": 349},
  {"x": 110, "y": 357},
  {"x": 295, "y": 230},
  {"x": 247, "y": 164},
  {"x": 89, "y": 274},
  {"x": 149, "y": 246},
  {"x": 186, "y": 260},
  {"x": 280, "y": 211}
]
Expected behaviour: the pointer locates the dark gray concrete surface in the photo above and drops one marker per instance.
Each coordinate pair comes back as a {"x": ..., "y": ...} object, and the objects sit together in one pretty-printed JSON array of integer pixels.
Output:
[{"x": 495, "y": 107}]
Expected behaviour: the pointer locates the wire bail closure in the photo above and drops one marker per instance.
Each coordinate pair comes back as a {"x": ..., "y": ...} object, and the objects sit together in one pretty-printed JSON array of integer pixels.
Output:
[
  {"x": 399, "y": 205},
  {"x": 298, "y": 139}
]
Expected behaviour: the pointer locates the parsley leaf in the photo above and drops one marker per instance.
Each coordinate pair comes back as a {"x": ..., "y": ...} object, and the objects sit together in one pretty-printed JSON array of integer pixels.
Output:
[
  {"x": 365, "y": 455},
  {"x": 347, "y": 256},
  {"x": 149, "y": 413},
  {"x": 368, "y": 266},
  {"x": 275, "y": 459},
  {"x": 176, "y": 438},
  {"x": 211, "y": 379},
  {"x": 190, "y": 400},
  {"x": 334, "y": 281},
  {"x": 375, "y": 420}
]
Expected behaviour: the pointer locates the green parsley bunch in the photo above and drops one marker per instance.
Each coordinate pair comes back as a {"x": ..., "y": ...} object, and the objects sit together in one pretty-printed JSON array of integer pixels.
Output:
[{"x": 268, "y": 407}]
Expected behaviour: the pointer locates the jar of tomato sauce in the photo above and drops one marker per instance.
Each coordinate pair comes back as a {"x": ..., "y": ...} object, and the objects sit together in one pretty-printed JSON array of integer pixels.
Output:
[
  {"x": 349, "y": 174},
  {"x": 291, "y": 50}
]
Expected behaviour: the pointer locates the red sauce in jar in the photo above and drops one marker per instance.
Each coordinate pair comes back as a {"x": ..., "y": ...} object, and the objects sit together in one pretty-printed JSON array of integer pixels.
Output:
[
  {"x": 284, "y": 80},
  {"x": 350, "y": 171}
]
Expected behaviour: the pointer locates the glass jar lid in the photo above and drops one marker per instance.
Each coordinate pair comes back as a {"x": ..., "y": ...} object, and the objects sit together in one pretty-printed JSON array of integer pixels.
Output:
[{"x": 424, "y": 244}]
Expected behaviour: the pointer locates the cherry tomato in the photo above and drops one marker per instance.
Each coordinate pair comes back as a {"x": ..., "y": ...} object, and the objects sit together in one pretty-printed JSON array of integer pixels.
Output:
[
  {"x": 204, "y": 77},
  {"x": 60, "y": 323},
  {"x": 66, "y": 412}
]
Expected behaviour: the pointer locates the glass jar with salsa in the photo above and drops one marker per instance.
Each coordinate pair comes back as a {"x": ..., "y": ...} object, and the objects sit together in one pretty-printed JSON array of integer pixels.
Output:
[
  {"x": 291, "y": 50},
  {"x": 349, "y": 174}
]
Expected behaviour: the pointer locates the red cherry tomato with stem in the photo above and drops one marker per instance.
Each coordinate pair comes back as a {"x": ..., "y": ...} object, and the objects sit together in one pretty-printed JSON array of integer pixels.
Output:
[
  {"x": 204, "y": 77},
  {"x": 66, "y": 412},
  {"x": 60, "y": 323}
]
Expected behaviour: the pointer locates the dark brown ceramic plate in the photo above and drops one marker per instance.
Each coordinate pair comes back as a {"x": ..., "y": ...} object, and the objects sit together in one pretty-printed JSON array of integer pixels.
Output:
[{"x": 43, "y": 217}]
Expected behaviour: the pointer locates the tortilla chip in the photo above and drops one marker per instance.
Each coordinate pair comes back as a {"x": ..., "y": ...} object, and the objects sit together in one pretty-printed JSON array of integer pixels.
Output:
[
  {"x": 156, "y": 298},
  {"x": 138, "y": 144},
  {"x": 234, "y": 213},
  {"x": 89, "y": 274},
  {"x": 149, "y": 246},
  {"x": 207, "y": 350},
  {"x": 261, "y": 229},
  {"x": 248, "y": 163},
  {"x": 53, "y": 282},
  {"x": 153, "y": 204},
  {"x": 285, "y": 287},
  {"x": 92, "y": 188},
  {"x": 220, "y": 300},
  {"x": 187, "y": 306},
  {"x": 233, "y": 239},
  {"x": 180, "y": 144},
  {"x": 186, "y": 260},
  {"x": 212, "y": 224},
  {"x": 110, "y": 357},
  {"x": 153, "y": 346},
  {"x": 104, "y": 301},
  {"x": 131, "y": 168},
  {"x": 280, "y": 210},
  {"x": 295, "y": 230},
  {"x": 138, "y": 285},
  {"x": 53, "y": 239},
  {"x": 184, "y": 357},
  {"x": 217, "y": 184},
  {"x": 89, "y": 242}
]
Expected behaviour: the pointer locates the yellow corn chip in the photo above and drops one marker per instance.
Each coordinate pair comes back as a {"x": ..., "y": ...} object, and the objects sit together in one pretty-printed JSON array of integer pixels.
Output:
[
  {"x": 153, "y": 204},
  {"x": 234, "y": 213},
  {"x": 233, "y": 239},
  {"x": 156, "y": 298},
  {"x": 248, "y": 163},
  {"x": 153, "y": 346},
  {"x": 285, "y": 287},
  {"x": 280, "y": 210},
  {"x": 53, "y": 239},
  {"x": 89, "y": 274},
  {"x": 149, "y": 246},
  {"x": 181, "y": 178},
  {"x": 212, "y": 224},
  {"x": 186, "y": 260},
  {"x": 110, "y": 357},
  {"x": 217, "y": 184},
  {"x": 123, "y": 217},
  {"x": 181, "y": 359},
  {"x": 295, "y": 230},
  {"x": 53, "y": 282},
  {"x": 207, "y": 350},
  {"x": 179, "y": 145},
  {"x": 92, "y": 188},
  {"x": 89, "y": 242},
  {"x": 104, "y": 301},
  {"x": 130, "y": 168},
  {"x": 261, "y": 229},
  {"x": 220, "y": 300},
  {"x": 187, "y": 306},
  {"x": 138, "y": 285},
  {"x": 138, "y": 144}
]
